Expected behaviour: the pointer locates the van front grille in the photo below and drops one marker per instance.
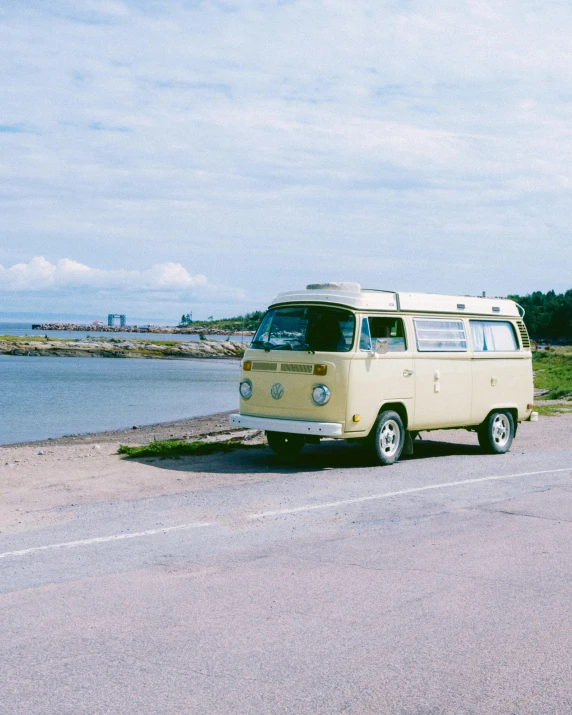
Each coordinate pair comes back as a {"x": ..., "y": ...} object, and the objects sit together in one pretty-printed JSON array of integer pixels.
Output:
[
  {"x": 523, "y": 334},
  {"x": 297, "y": 367},
  {"x": 267, "y": 366}
]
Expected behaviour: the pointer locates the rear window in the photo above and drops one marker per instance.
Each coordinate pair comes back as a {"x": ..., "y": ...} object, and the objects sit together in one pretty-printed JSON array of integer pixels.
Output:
[
  {"x": 436, "y": 335},
  {"x": 493, "y": 336}
]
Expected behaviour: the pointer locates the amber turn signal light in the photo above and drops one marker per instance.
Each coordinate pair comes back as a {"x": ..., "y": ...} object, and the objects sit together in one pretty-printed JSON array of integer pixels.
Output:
[
  {"x": 320, "y": 369},
  {"x": 247, "y": 365},
  {"x": 356, "y": 418},
  {"x": 529, "y": 406}
]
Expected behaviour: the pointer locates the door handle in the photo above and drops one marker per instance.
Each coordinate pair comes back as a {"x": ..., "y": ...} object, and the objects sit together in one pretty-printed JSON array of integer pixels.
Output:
[{"x": 407, "y": 373}]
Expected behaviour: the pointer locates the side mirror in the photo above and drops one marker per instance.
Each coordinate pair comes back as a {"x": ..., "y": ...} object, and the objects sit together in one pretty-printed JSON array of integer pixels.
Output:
[{"x": 381, "y": 346}]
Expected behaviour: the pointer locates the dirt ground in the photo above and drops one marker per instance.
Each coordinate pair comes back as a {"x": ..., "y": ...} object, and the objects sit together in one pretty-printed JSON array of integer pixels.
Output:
[{"x": 39, "y": 480}]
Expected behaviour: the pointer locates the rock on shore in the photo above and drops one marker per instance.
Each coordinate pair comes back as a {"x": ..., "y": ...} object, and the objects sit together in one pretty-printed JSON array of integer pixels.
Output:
[{"x": 121, "y": 348}]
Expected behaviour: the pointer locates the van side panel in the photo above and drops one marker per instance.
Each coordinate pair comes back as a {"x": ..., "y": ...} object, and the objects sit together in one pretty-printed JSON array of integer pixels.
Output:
[
  {"x": 373, "y": 380},
  {"x": 443, "y": 390},
  {"x": 501, "y": 380}
]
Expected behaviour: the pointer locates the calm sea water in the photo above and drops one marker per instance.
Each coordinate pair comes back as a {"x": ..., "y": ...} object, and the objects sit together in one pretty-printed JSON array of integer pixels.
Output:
[{"x": 52, "y": 397}]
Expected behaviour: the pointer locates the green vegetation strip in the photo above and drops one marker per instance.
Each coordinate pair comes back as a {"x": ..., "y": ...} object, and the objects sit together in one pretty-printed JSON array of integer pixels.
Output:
[
  {"x": 94, "y": 340},
  {"x": 553, "y": 372},
  {"x": 173, "y": 449},
  {"x": 31, "y": 339},
  {"x": 553, "y": 410}
]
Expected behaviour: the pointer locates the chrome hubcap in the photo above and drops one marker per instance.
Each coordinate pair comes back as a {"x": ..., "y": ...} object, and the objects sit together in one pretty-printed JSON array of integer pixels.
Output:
[
  {"x": 501, "y": 430},
  {"x": 389, "y": 438}
]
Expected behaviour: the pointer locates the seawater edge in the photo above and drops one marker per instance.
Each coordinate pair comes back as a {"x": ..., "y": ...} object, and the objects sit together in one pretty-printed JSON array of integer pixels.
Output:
[
  {"x": 42, "y": 399},
  {"x": 184, "y": 429}
]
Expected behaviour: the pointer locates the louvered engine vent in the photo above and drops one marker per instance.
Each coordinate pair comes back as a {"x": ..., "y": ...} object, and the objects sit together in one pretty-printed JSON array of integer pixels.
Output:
[
  {"x": 524, "y": 339},
  {"x": 265, "y": 366},
  {"x": 297, "y": 367}
]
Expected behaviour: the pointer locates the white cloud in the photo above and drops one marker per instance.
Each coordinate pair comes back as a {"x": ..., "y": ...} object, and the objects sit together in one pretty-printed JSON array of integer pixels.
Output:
[{"x": 41, "y": 275}]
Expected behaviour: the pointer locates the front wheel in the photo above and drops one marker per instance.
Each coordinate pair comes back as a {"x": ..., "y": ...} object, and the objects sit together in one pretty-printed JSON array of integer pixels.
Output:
[
  {"x": 284, "y": 445},
  {"x": 388, "y": 437},
  {"x": 497, "y": 432}
]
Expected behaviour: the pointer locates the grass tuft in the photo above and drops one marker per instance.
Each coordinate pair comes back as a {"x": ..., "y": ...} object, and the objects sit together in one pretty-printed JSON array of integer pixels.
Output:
[{"x": 173, "y": 449}]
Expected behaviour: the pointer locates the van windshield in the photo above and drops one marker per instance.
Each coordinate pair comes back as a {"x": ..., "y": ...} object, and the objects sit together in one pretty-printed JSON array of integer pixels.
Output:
[{"x": 310, "y": 328}]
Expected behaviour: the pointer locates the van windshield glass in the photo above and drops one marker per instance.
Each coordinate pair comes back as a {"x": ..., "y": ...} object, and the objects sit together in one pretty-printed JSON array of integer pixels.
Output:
[{"x": 309, "y": 328}]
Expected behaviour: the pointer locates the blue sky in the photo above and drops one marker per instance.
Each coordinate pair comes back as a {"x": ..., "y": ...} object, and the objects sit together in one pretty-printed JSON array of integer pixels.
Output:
[{"x": 161, "y": 157}]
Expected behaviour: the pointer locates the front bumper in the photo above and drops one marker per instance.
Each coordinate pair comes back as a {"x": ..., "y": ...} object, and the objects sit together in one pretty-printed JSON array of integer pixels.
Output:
[{"x": 270, "y": 424}]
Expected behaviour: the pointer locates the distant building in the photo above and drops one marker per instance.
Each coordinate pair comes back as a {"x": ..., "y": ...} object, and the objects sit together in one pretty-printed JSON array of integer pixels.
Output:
[{"x": 112, "y": 317}]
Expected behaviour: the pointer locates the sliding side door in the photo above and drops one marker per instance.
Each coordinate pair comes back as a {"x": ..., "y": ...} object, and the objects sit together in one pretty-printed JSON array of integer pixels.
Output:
[{"x": 443, "y": 373}]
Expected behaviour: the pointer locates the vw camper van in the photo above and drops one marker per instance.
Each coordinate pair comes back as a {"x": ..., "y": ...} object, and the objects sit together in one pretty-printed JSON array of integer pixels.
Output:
[{"x": 338, "y": 361}]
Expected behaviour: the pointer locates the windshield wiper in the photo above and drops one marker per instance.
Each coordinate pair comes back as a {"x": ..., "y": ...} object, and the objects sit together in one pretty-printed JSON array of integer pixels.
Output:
[
  {"x": 268, "y": 346},
  {"x": 294, "y": 345},
  {"x": 303, "y": 345}
]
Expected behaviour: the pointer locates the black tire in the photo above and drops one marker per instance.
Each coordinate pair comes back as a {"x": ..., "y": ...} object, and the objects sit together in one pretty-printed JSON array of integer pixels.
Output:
[
  {"x": 388, "y": 437},
  {"x": 497, "y": 432},
  {"x": 284, "y": 445}
]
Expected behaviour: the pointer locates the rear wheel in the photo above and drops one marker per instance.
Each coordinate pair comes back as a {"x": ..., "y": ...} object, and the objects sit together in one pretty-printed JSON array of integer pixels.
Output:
[
  {"x": 286, "y": 446},
  {"x": 497, "y": 432},
  {"x": 388, "y": 436}
]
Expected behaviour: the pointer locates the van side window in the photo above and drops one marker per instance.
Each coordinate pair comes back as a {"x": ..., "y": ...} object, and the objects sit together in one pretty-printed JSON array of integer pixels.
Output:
[
  {"x": 390, "y": 330},
  {"x": 492, "y": 336},
  {"x": 434, "y": 335}
]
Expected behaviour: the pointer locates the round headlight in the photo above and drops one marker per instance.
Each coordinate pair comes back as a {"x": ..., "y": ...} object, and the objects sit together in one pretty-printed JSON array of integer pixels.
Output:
[
  {"x": 320, "y": 394},
  {"x": 245, "y": 389}
]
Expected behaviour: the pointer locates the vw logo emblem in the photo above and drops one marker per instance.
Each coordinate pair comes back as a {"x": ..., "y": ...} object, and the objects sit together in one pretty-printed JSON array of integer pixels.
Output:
[{"x": 276, "y": 390}]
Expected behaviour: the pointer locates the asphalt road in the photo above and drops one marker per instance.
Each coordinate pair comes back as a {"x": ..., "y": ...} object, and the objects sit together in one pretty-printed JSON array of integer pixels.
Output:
[{"x": 442, "y": 584}]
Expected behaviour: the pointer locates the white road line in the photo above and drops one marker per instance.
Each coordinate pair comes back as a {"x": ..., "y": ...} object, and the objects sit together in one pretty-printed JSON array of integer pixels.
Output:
[
  {"x": 387, "y": 495},
  {"x": 104, "y": 539},
  {"x": 278, "y": 512}
]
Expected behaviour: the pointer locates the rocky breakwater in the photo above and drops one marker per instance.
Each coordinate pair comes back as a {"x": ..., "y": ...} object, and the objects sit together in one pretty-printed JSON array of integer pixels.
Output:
[
  {"x": 162, "y": 329},
  {"x": 120, "y": 348}
]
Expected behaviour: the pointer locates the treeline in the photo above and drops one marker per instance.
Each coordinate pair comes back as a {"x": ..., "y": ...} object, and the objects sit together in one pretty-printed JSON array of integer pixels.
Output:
[
  {"x": 249, "y": 321},
  {"x": 548, "y": 315}
]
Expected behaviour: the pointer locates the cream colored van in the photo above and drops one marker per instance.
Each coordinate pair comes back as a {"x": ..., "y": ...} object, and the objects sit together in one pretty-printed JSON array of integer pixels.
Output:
[{"x": 343, "y": 362}]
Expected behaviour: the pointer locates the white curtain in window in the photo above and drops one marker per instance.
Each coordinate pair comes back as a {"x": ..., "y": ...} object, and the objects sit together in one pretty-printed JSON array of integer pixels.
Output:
[{"x": 492, "y": 336}]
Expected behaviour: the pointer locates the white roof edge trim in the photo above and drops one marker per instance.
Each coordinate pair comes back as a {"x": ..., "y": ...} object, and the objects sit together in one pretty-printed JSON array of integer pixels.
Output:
[{"x": 373, "y": 300}]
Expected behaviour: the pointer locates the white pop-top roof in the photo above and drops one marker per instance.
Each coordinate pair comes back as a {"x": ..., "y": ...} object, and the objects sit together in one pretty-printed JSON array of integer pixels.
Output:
[{"x": 354, "y": 296}]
